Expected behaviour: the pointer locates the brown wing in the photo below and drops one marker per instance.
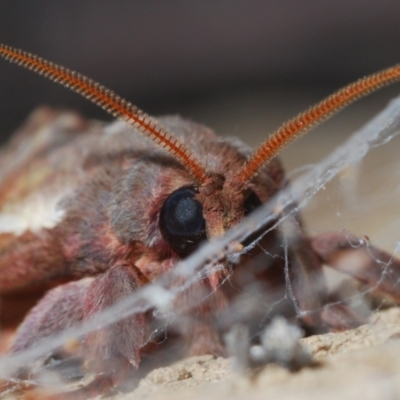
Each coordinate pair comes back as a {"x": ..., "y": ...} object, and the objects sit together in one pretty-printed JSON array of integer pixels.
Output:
[
  {"x": 24, "y": 161},
  {"x": 33, "y": 179},
  {"x": 25, "y": 172}
]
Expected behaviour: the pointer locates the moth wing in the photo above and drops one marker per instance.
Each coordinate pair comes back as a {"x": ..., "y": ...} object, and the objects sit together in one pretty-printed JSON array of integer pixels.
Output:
[
  {"x": 44, "y": 131},
  {"x": 35, "y": 174},
  {"x": 30, "y": 186}
]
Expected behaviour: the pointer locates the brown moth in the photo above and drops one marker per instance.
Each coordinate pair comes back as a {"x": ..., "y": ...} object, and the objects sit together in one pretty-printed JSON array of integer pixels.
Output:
[{"x": 99, "y": 211}]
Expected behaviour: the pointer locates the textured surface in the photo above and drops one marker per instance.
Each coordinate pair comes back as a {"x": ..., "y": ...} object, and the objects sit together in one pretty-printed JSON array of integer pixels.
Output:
[{"x": 362, "y": 363}]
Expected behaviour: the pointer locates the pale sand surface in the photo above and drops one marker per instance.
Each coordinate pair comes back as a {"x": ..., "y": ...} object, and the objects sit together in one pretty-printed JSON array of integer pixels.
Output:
[{"x": 362, "y": 363}]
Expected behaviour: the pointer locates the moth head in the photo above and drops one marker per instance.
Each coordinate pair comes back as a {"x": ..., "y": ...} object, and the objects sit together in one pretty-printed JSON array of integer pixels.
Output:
[
  {"x": 191, "y": 215},
  {"x": 215, "y": 201}
]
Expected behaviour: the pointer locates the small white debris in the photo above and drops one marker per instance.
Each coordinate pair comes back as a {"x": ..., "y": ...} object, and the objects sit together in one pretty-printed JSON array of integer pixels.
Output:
[{"x": 279, "y": 344}]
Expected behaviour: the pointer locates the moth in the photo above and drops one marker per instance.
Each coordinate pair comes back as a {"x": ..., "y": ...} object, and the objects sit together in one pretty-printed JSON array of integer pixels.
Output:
[{"x": 98, "y": 211}]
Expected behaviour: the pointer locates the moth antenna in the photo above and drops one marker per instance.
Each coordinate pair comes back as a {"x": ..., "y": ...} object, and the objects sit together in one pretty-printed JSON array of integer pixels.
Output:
[
  {"x": 110, "y": 102},
  {"x": 304, "y": 121}
]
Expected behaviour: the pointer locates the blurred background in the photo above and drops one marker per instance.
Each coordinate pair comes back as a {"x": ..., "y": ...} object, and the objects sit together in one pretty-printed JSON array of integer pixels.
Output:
[
  {"x": 181, "y": 56},
  {"x": 241, "y": 67}
]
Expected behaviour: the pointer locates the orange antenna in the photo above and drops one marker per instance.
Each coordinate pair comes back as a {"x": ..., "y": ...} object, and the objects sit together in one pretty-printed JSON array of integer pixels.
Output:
[
  {"x": 110, "y": 102},
  {"x": 303, "y": 122}
]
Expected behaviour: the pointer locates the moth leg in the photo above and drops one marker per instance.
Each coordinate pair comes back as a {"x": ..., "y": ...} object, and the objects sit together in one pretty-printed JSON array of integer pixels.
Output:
[
  {"x": 30, "y": 264},
  {"x": 377, "y": 269},
  {"x": 29, "y": 258},
  {"x": 308, "y": 284},
  {"x": 59, "y": 309},
  {"x": 116, "y": 347},
  {"x": 305, "y": 283},
  {"x": 109, "y": 352},
  {"x": 200, "y": 330}
]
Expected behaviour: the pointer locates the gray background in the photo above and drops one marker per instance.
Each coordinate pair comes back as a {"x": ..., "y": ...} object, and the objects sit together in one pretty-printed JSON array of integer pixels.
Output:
[{"x": 180, "y": 56}]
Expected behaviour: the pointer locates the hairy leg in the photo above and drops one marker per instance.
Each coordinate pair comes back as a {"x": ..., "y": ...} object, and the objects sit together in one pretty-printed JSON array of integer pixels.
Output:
[
  {"x": 357, "y": 257},
  {"x": 109, "y": 352}
]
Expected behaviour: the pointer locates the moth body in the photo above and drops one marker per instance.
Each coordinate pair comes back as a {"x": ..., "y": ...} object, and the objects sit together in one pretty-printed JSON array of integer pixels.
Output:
[
  {"x": 88, "y": 182},
  {"x": 101, "y": 189},
  {"x": 95, "y": 212}
]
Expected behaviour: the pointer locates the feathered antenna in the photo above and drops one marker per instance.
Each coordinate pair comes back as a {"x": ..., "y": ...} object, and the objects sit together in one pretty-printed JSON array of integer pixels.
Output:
[
  {"x": 110, "y": 102},
  {"x": 303, "y": 122}
]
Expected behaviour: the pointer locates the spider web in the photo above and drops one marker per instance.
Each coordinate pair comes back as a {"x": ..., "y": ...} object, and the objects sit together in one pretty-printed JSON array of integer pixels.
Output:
[{"x": 333, "y": 188}]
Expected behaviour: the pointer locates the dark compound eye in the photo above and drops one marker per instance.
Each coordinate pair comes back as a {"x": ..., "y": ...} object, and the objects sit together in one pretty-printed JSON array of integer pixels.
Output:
[
  {"x": 181, "y": 221},
  {"x": 251, "y": 203}
]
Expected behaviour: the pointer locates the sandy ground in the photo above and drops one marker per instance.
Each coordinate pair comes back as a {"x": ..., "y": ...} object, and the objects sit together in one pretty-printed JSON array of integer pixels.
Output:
[{"x": 362, "y": 363}]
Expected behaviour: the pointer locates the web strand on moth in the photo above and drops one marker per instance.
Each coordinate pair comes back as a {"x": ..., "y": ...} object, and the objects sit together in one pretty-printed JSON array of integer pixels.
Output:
[{"x": 377, "y": 132}]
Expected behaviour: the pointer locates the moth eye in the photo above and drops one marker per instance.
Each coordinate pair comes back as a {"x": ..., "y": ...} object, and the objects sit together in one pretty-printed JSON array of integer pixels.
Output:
[
  {"x": 251, "y": 203},
  {"x": 182, "y": 224}
]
